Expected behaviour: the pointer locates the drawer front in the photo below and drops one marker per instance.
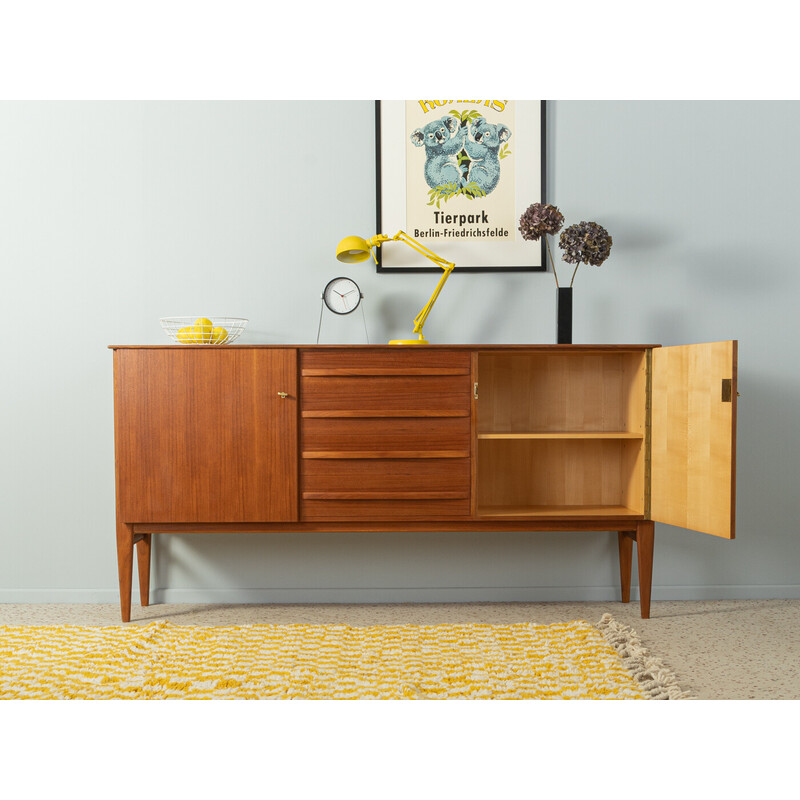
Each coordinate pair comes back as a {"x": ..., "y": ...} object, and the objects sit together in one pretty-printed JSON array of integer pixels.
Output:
[
  {"x": 381, "y": 478},
  {"x": 399, "y": 360},
  {"x": 380, "y": 396},
  {"x": 420, "y": 437},
  {"x": 385, "y": 488},
  {"x": 384, "y": 510}
]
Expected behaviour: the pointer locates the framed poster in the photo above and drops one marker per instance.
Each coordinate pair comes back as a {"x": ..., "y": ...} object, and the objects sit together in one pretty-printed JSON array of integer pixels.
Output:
[{"x": 456, "y": 175}]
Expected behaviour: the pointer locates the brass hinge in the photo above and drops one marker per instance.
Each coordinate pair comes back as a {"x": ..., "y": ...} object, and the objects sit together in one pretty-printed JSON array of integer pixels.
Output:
[{"x": 727, "y": 390}]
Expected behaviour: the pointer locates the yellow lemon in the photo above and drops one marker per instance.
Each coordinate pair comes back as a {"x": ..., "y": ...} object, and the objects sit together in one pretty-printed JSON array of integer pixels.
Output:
[
  {"x": 185, "y": 335},
  {"x": 203, "y": 326},
  {"x": 196, "y": 334},
  {"x": 218, "y": 335}
]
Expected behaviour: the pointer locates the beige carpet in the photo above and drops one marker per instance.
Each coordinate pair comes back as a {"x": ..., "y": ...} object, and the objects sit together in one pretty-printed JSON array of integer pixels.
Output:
[{"x": 726, "y": 649}]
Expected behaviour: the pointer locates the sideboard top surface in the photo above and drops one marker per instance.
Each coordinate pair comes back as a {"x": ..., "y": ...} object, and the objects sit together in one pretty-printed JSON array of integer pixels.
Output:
[{"x": 570, "y": 348}]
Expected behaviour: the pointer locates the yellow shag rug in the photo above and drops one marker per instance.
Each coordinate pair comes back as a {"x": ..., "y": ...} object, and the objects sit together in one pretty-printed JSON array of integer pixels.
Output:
[{"x": 573, "y": 660}]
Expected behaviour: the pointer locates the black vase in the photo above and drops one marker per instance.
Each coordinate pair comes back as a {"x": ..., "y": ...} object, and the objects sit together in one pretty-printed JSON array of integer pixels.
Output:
[{"x": 564, "y": 315}]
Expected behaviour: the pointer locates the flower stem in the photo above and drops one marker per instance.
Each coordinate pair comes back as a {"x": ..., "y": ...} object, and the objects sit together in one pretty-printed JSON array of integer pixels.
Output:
[
  {"x": 573, "y": 274},
  {"x": 551, "y": 259}
]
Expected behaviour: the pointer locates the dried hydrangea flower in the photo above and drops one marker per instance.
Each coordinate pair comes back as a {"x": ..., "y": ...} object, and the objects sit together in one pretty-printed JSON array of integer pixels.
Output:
[
  {"x": 538, "y": 220},
  {"x": 585, "y": 243}
]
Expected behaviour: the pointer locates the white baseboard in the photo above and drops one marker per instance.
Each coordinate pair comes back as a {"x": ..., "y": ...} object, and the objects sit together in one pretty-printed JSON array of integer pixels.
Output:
[{"x": 490, "y": 594}]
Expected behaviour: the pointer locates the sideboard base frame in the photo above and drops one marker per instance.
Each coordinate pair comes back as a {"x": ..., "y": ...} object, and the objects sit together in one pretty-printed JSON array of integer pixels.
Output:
[{"x": 139, "y": 537}]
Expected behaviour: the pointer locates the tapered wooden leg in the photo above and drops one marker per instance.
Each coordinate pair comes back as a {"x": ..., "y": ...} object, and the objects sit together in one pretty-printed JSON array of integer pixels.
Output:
[
  {"x": 125, "y": 566},
  {"x": 625, "y": 561},
  {"x": 143, "y": 564},
  {"x": 644, "y": 551}
]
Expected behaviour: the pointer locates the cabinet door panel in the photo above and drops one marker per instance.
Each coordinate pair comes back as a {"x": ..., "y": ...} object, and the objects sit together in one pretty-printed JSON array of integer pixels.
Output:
[
  {"x": 693, "y": 437},
  {"x": 203, "y": 436}
]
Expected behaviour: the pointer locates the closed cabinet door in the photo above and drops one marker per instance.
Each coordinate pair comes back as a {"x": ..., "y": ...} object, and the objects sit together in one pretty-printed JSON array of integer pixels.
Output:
[
  {"x": 693, "y": 444},
  {"x": 206, "y": 434}
]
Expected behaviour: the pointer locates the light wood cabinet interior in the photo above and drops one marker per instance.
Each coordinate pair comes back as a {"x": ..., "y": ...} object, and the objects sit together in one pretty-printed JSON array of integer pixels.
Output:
[{"x": 561, "y": 433}]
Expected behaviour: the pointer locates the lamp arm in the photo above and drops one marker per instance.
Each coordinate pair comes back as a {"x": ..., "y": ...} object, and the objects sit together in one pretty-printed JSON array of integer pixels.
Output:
[
  {"x": 402, "y": 236},
  {"x": 377, "y": 241},
  {"x": 447, "y": 266},
  {"x": 419, "y": 320}
]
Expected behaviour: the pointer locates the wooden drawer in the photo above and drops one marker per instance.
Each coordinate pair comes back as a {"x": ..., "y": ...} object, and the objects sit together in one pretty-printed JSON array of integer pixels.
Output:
[
  {"x": 379, "y": 488},
  {"x": 383, "y": 361},
  {"x": 372, "y": 396},
  {"x": 384, "y": 383},
  {"x": 376, "y": 478},
  {"x": 383, "y": 510},
  {"x": 414, "y": 437}
]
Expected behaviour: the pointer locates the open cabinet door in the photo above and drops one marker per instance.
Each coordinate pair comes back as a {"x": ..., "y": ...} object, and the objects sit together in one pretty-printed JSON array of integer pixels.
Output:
[{"x": 693, "y": 437}]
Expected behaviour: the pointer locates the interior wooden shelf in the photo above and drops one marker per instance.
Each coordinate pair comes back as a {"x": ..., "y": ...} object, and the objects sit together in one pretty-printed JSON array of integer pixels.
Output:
[
  {"x": 354, "y": 372},
  {"x": 385, "y": 495},
  {"x": 565, "y": 435},
  {"x": 571, "y": 511},
  {"x": 384, "y": 413},
  {"x": 414, "y": 454}
]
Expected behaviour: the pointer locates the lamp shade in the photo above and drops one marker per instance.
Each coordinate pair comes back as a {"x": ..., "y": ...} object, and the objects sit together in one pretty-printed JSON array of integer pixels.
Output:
[{"x": 352, "y": 249}]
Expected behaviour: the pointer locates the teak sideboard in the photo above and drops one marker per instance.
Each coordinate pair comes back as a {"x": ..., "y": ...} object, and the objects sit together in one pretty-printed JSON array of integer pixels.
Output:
[{"x": 425, "y": 438}]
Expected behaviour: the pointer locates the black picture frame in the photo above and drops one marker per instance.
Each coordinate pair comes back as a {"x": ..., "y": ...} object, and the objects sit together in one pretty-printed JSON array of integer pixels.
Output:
[{"x": 541, "y": 251}]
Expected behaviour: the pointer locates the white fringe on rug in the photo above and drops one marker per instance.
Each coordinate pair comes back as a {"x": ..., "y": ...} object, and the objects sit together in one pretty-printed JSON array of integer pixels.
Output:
[{"x": 655, "y": 680}]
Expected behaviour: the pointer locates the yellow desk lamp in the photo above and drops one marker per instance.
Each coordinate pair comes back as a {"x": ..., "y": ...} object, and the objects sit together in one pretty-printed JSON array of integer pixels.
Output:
[{"x": 353, "y": 249}]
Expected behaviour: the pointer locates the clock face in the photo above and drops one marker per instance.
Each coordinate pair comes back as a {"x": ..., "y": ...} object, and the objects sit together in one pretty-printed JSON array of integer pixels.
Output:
[{"x": 342, "y": 295}]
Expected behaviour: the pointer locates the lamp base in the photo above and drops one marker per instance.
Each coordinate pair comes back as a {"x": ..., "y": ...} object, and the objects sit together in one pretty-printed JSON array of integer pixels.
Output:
[{"x": 410, "y": 341}]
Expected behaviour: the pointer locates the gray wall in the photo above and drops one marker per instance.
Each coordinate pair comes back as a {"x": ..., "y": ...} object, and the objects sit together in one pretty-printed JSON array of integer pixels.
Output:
[{"x": 113, "y": 214}]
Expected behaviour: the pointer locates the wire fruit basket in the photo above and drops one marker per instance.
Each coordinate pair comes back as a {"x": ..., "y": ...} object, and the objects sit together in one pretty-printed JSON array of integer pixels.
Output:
[{"x": 203, "y": 330}]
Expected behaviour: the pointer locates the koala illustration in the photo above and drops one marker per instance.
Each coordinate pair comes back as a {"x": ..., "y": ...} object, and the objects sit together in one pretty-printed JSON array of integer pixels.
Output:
[
  {"x": 483, "y": 150},
  {"x": 442, "y": 139}
]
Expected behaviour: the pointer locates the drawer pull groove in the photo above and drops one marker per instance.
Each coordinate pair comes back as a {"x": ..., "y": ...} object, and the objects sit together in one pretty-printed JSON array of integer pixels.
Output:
[
  {"x": 367, "y": 413},
  {"x": 386, "y": 454},
  {"x": 357, "y": 372},
  {"x": 385, "y": 495}
]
